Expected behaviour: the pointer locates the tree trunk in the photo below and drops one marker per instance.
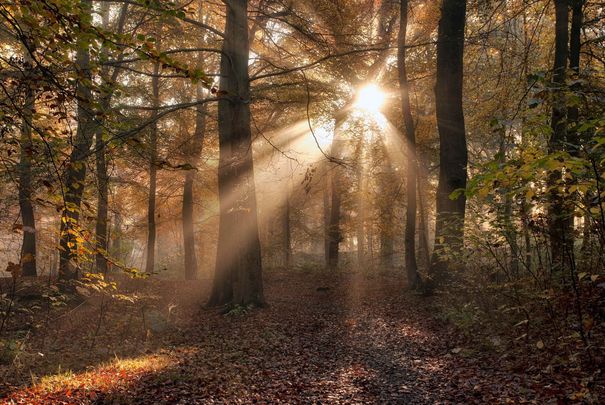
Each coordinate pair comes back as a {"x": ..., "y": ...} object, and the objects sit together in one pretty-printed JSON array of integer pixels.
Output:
[
  {"x": 558, "y": 217},
  {"x": 238, "y": 276},
  {"x": 102, "y": 203},
  {"x": 387, "y": 242},
  {"x": 334, "y": 231},
  {"x": 423, "y": 232},
  {"x": 116, "y": 247},
  {"x": 101, "y": 231},
  {"x": 326, "y": 214},
  {"x": 76, "y": 171},
  {"x": 153, "y": 171},
  {"x": 28, "y": 248},
  {"x": 191, "y": 265},
  {"x": 412, "y": 163},
  {"x": 453, "y": 155},
  {"x": 287, "y": 232}
]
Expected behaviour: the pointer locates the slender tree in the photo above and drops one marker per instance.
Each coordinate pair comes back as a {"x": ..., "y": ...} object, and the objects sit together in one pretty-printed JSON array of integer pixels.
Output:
[
  {"x": 238, "y": 276},
  {"x": 28, "y": 247},
  {"x": 558, "y": 223},
  {"x": 101, "y": 228},
  {"x": 153, "y": 164},
  {"x": 453, "y": 155},
  {"x": 410, "y": 144},
  {"x": 76, "y": 170},
  {"x": 193, "y": 156}
]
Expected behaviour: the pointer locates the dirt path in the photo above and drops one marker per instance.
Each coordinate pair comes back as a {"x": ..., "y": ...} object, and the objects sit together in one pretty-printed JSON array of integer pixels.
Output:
[{"x": 326, "y": 339}]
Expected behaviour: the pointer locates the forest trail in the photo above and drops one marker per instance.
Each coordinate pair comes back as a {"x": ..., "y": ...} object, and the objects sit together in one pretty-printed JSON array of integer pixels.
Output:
[{"x": 345, "y": 338}]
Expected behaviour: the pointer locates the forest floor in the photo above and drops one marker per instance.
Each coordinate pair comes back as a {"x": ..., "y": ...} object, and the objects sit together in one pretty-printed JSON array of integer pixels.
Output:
[{"x": 324, "y": 338}]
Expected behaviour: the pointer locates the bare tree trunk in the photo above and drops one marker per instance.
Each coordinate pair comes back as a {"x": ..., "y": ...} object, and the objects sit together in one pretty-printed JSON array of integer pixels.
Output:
[
  {"x": 153, "y": 170},
  {"x": 191, "y": 265},
  {"x": 423, "y": 232},
  {"x": 238, "y": 276},
  {"x": 410, "y": 144},
  {"x": 28, "y": 247},
  {"x": 101, "y": 231},
  {"x": 326, "y": 215},
  {"x": 334, "y": 230},
  {"x": 558, "y": 217},
  {"x": 453, "y": 155},
  {"x": 102, "y": 203},
  {"x": 116, "y": 247},
  {"x": 387, "y": 243},
  {"x": 361, "y": 225},
  {"x": 76, "y": 172},
  {"x": 287, "y": 232}
]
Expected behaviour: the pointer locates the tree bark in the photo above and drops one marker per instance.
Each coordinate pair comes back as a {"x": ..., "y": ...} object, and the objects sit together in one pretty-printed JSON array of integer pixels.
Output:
[
  {"x": 76, "y": 171},
  {"x": 191, "y": 265},
  {"x": 195, "y": 151},
  {"x": 238, "y": 276},
  {"x": 28, "y": 247},
  {"x": 102, "y": 220},
  {"x": 153, "y": 169},
  {"x": 453, "y": 155},
  {"x": 558, "y": 217},
  {"x": 412, "y": 163}
]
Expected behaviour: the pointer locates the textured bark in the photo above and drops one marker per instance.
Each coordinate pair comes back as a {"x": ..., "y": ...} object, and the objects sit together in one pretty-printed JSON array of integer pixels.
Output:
[
  {"x": 102, "y": 203},
  {"x": 558, "y": 217},
  {"x": 76, "y": 171},
  {"x": 411, "y": 265},
  {"x": 153, "y": 172},
  {"x": 28, "y": 247},
  {"x": 238, "y": 276},
  {"x": 453, "y": 155}
]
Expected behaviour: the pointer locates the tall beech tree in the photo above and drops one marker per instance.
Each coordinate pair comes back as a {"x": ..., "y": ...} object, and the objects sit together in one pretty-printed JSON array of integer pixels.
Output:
[
  {"x": 453, "y": 154},
  {"x": 410, "y": 147},
  {"x": 28, "y": 247},
  {"x": 109, "y": 79},
  {"x": 238, "y": 275},
  {"x": 194, "y": 151},
  {"x": 74, "y": 183},
  {"x": 558, "y": 210},
  {"x": 153, "y": 163}
]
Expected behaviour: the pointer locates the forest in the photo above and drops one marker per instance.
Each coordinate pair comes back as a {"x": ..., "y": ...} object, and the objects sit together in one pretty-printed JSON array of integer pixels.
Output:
[{"x": 302, "y": 201}]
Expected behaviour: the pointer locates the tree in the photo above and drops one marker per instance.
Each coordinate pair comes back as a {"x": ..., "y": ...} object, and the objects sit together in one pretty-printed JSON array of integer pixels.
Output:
[
  {"x": 76, "y": 171},
  {"x": 410, "y": 145},
  {"x": 238, "y": 276},
  {"x": 102, "y": 220},
  {"x": 193, "y": 155},
  {"x": 558, "y": 211},
  {"x": 153, "y": 163},
  {"x": 28, "y": 247},
  {"x": 453, "y": 155}
]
